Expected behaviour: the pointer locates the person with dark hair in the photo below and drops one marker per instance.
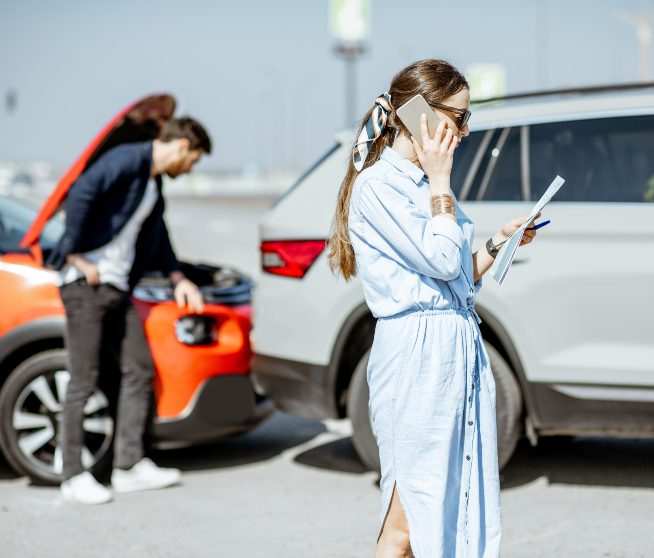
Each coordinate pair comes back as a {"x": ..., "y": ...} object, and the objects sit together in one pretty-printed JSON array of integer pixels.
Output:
[
  {"x": 432, "y": 393},
  {"x": 114, "y": 233},
  {"x": 192, "y": 130}
]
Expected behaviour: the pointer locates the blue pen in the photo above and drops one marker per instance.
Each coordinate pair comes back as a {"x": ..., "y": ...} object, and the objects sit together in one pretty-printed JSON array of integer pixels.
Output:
[{"x": 536, "y": 227}]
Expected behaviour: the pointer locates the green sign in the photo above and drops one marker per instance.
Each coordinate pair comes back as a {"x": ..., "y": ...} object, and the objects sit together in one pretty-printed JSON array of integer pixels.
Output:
[
  {"x": 486, "y": 81},
  {"x": 349, "y": 20}
]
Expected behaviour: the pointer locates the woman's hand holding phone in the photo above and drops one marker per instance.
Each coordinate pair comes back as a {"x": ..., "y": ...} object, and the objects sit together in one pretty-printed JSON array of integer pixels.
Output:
[{"x": 436, "y": 155}]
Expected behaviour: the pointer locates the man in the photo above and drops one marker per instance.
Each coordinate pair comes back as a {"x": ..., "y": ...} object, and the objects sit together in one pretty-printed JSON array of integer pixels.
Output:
[{"x": 115, "y": 231}]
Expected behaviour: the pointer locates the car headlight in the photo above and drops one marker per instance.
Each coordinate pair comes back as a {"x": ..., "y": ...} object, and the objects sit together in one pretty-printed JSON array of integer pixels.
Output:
[{"x": 195, "y": 330}]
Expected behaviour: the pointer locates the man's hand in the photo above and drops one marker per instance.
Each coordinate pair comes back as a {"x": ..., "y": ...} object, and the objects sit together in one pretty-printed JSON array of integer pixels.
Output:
[
  {"x": 187, "y": 294},
  {"x": 88, "y": 269}
]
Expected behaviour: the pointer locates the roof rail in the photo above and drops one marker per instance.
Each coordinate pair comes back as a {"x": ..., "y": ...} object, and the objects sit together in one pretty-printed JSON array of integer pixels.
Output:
[{"x": 589, "y": 89}]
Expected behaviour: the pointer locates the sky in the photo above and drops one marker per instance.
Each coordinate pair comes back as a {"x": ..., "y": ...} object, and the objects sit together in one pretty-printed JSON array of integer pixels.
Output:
[{"x": 262, "y": 75}]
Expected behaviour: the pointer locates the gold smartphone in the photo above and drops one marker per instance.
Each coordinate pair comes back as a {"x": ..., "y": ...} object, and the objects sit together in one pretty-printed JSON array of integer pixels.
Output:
[{"x": 411, "y": 111}]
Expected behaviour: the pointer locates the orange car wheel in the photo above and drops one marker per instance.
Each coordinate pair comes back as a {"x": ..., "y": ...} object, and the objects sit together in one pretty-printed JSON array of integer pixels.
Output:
[{"x": 30, "y": 420}]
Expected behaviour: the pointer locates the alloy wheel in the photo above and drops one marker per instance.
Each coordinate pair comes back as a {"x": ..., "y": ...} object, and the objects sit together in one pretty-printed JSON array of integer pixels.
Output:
[{"x": 37, "y": 416}]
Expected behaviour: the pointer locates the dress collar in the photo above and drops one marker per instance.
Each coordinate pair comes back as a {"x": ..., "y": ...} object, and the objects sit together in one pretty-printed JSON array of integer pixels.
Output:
[{"x": 403, "y": 165}]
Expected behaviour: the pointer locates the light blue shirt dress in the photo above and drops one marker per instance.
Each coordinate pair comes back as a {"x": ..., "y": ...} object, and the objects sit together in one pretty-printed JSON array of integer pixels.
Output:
[{"x": 432, "y": 394}]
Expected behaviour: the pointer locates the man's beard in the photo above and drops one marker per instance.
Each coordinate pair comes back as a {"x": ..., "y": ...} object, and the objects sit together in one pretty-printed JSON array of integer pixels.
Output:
[{"x": 174, "y": 172}]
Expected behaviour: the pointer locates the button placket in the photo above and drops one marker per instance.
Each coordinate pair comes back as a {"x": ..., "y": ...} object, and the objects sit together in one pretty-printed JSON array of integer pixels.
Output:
[{"x": 469, "y": 435}]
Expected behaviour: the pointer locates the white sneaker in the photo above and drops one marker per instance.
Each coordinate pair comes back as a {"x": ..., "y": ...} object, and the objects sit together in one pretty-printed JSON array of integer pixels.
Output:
[
  {"x": 83, "y": 488},
  {"x": 145, "y": 475}
]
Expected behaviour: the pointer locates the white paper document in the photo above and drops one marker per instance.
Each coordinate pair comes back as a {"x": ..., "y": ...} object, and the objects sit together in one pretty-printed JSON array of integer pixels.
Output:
[{"x": 504, "y": 258}]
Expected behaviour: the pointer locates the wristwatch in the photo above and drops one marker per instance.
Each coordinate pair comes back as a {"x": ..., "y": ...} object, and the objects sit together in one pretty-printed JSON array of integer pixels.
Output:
[{"x": 492, "y": 249}]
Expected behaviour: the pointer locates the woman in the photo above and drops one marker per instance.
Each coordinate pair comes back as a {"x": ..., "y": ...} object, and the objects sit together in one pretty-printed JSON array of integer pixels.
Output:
[{"x": 432, "y": 394}]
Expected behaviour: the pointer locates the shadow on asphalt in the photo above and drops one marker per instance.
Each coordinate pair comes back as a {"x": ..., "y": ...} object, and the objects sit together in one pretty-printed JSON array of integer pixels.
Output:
[
  {"x": 562, "y": 460},
  {"x": 276, "y": 435},
  {"x": 583, "y": 461},
  {"x": 6, "y": 472},
  {"x": 339, "y": 455}
]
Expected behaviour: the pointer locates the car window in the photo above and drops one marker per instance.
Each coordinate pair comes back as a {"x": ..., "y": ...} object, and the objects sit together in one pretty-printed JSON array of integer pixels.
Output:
[
  {"x": 463, "y": 160},
  {"x": 15, "y": 219},
  {"x": 602, "y": 160},
  {"x": 497, "y": 175}
]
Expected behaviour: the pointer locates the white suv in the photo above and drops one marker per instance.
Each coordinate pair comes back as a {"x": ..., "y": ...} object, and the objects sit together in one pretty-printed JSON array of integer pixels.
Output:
[{"x": 568, "y": 335}]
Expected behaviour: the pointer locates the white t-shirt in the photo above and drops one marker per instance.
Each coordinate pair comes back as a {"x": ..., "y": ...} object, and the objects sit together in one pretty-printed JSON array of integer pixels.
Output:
[{"x": 115, "y": 260}]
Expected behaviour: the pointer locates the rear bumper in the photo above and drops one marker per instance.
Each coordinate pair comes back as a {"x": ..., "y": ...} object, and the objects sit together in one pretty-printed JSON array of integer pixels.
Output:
[
  {"x": 296, "y": 387},
  {"x": 223, "y": 405}
]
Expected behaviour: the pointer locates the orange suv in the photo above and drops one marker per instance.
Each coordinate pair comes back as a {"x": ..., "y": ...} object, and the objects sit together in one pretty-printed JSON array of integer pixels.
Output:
[{"x": 202, "y": 386}]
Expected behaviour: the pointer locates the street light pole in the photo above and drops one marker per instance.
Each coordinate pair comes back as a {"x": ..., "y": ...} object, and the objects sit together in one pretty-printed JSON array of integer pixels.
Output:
[
  {"x": 350, "y": 53},
  {"x": 350, "y": 24}
]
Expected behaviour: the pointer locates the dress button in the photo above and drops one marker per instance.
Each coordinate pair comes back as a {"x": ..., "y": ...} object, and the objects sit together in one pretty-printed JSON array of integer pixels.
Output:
[
  {"x": 469, "y": 423},
  {"x": 468, "y": 457}
]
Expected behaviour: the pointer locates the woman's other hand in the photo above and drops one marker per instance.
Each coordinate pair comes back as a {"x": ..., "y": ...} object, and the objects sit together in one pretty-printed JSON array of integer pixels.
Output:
[{"x": 513, "y": 225}]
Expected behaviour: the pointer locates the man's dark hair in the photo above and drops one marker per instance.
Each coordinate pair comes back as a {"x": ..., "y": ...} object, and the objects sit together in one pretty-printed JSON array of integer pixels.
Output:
[{"x": 186, "y": 127}]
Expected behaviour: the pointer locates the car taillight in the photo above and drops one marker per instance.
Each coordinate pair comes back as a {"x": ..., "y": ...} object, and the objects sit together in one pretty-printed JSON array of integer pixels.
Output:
[{"x": 291, "y": 258}]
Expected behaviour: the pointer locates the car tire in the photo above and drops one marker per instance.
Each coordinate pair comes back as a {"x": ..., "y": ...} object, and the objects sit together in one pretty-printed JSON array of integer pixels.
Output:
[
  {"x": 508, "y": 403},
  {"x": 30, "y": 409},
  {"x": 363, "y": 438}
]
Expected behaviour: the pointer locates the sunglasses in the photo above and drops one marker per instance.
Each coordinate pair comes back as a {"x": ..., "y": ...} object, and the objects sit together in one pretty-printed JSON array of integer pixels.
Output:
[{"x": 463, "y": 115}]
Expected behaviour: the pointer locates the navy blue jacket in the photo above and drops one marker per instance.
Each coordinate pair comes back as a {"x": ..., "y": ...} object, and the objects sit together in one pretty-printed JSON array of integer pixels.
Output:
[{"x": 102, "y": 200}]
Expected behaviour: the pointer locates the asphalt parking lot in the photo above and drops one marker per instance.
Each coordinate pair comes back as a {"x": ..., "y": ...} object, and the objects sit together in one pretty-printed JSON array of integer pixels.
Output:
[{"x": 295, "y": 488}]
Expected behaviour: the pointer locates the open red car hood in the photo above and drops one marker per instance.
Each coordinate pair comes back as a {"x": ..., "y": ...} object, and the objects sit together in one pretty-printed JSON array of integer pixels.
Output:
[{"x": 139, "y": 121}]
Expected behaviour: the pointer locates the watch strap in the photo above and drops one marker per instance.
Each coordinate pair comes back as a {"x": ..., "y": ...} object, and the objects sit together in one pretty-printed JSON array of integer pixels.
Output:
[{"x": 491, "y": 248}]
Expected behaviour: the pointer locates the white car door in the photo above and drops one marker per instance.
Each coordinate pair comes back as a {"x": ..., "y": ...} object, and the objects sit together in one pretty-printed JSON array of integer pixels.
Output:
[{"x": 578, "y": 303}]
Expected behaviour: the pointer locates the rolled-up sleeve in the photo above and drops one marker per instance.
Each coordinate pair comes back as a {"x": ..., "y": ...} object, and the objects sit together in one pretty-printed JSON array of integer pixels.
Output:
[{"x": 405, "y": 233}]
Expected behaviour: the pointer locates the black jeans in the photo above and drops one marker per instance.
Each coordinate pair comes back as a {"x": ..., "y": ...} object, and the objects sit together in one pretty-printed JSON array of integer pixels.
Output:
[{"x": 101, "y": 321}]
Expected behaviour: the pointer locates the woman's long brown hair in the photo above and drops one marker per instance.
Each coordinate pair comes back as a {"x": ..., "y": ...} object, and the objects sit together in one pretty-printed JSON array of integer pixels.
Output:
[{"x": 435, "y": 80}]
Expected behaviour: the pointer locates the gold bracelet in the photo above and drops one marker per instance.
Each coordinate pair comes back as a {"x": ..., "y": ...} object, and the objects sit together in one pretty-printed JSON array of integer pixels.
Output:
[{"x": 442, "y": 204}]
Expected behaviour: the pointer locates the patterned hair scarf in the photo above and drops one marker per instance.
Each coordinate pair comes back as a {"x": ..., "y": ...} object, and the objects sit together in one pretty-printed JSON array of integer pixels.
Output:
[{"x": 372, "y": 129}]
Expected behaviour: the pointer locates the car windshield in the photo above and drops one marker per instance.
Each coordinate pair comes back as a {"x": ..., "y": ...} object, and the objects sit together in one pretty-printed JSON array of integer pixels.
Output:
[{"x": 16, "y": 217}]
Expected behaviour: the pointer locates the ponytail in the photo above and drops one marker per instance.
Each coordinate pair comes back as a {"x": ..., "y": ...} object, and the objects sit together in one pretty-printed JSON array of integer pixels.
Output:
[{"x": 373, "y": 137}]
